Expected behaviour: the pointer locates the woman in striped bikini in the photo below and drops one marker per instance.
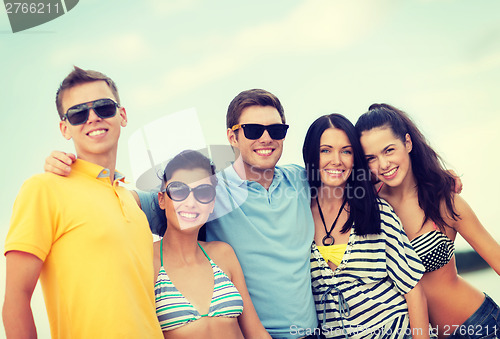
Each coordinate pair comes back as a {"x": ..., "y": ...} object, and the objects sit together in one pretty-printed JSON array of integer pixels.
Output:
[
  {"x": 421, "y": 191},
  {"x": 364, "y": 271},
  {"x": 195, "y": 297}
]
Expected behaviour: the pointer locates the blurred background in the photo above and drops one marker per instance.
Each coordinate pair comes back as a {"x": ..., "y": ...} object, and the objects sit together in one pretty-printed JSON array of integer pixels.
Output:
[{"x": 439, "y": 60}]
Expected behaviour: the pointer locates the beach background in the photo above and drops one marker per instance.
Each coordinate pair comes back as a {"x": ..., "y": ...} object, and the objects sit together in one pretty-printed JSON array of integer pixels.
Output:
[{"x": 439, "y": 60}]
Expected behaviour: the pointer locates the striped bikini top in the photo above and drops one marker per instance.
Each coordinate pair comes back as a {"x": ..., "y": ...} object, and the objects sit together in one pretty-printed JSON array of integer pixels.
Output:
[
  {"x": 434, "y": 248},
  {"x": 174, "y": 310}
]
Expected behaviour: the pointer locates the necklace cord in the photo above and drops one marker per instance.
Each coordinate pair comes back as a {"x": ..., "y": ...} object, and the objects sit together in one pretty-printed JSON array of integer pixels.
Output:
[{"x": 328, "y": 232}]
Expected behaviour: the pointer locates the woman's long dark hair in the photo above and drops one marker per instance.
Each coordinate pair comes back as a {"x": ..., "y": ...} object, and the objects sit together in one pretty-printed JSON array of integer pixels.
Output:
[
  {"x": 359, "y": 192},
  {"x": 434, "y": 183}
]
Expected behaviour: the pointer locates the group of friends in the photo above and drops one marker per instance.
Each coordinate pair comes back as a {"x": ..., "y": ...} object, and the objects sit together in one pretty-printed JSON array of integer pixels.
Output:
[{"x": 358, "y": 244}]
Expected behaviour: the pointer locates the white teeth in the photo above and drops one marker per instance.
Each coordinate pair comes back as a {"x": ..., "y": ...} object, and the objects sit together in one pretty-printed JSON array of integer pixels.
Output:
[
  {"x": 98, "y": 132},
  {"x": 391, "y": 172},
  {"x": 333, "y": 171},
  {"x": 188, "y": 215},
  {"x": 264, "y": 151}
]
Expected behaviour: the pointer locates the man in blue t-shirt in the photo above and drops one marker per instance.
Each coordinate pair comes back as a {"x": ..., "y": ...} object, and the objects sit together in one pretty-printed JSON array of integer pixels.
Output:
[{"x": 263, "y": 212}]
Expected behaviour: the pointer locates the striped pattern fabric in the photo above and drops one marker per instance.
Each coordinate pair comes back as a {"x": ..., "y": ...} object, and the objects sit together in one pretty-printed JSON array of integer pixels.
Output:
[
  {"x": 399, "y": 328},
  {"x": 364, "y": 294},
  {"x": 174, "y": 310},
  {"x": 434, "y": 248}
]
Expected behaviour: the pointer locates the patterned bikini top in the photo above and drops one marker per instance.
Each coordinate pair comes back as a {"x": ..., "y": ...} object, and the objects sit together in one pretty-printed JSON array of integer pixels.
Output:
[
  {"x": 434, "y": 248},
  {"x": 174, "y": 310}
]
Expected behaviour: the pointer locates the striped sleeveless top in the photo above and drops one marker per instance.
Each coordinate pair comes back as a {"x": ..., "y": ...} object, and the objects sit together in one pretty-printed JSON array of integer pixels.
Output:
[{"x": 174, "y": 310}]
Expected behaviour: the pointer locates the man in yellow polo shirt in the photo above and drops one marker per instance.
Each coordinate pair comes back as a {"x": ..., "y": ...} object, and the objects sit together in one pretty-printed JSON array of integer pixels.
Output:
[{"x": 82, "y": 235}]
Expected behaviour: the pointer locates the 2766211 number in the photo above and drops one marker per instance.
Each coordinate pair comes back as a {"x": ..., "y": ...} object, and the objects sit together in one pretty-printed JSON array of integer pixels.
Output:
[
  {"x": 470, "y": 330},
  {"x": 31, "y": 8}
]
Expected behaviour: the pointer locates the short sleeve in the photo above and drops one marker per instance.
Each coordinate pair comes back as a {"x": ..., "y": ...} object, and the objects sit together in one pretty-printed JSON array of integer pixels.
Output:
[
  {"x": 156, "y": 216},
  {"x": 404, "y": 267},
  {"x": 34, "y": 220}
]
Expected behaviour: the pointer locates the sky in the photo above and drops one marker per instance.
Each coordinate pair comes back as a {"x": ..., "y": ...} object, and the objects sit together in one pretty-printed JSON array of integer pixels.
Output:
[{"x": 438, "y": 60}]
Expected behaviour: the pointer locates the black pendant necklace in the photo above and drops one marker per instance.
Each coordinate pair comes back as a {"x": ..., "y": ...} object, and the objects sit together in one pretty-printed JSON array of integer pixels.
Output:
[{"x": 328, "y": 235}]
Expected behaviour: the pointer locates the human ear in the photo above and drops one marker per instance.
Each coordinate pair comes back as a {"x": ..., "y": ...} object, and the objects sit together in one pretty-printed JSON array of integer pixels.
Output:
[
  {"x": 232, "y": 137},
  {"x": 123, "y": 115},
  {"x": 408, "y": 143},
  {"x": 161, "y": 200},
  {"x": 63, "y": 126}
]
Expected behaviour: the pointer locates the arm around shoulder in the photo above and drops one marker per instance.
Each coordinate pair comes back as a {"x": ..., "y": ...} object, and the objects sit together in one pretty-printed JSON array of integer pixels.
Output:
[
  {"x": 148, "y": 202},
  {"x": 471, "y": 229},
  {"x": 136, "y": 198},
  {"x": 23, "y": 270},
  {"x": 59, "y": 163}
]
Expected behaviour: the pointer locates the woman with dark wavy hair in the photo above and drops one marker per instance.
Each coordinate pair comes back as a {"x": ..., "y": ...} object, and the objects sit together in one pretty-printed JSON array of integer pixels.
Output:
[
  {"x": 414, "y": 181},
  {"x": 364, "y": 271}
]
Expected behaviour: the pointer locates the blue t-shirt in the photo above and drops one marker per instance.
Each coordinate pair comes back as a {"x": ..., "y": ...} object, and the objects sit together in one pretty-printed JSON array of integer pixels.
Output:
[{"x": 271, "y": 232}]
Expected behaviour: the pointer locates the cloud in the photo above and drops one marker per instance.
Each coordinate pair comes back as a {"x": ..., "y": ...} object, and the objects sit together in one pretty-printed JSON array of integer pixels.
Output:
[
  {"x": 162, "y": 7},
  {"x": 130, "y": 47},
  {"x": 313, "y": 25},
  {"x": 482, "y": 64},
  {"x": 445, "y": 1},
  {"x": 185, "y": 78},
  {"x": 310, "y": 27}
]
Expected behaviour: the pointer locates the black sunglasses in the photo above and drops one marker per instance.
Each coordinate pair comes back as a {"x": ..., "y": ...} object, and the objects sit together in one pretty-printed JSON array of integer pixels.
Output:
[
  {"x": 179, "y": 191},
  {"x": 255, "y": 131},
  {"x": 79, "y": 114}
]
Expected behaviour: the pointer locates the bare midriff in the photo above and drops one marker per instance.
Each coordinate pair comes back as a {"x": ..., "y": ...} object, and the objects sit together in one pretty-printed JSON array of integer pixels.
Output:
[
  {"x": 209, "y": 328},
  {"x": 450, "y": 299}
]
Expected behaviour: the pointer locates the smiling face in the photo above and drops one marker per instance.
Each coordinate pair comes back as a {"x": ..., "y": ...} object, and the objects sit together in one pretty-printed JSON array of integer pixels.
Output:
[
  {"x": 261, "y": 154},
  {"x": 97, "y": 139},
  {"x": 189, "y": 212},
  {"x": 388, "y": 157},
  {"x": 335, "y": 157}
]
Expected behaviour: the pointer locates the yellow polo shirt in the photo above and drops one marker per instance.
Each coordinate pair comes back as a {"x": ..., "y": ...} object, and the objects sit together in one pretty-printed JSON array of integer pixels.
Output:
[{"x": 97, "y": 276}]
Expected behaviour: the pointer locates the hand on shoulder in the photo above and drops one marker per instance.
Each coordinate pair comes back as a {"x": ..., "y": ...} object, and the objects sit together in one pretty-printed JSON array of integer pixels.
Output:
[{"x": 59, "y": 163}]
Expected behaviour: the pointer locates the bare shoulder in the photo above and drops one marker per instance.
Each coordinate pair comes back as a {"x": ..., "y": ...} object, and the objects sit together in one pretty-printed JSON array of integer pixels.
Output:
[
  {"x": 461, "y": 208},
  {"x": 460, "y": 204},
  {"x": 217, "y": 249},
  {"x": 223, "y": 256},
  {"x": 464, "y": 217}
]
